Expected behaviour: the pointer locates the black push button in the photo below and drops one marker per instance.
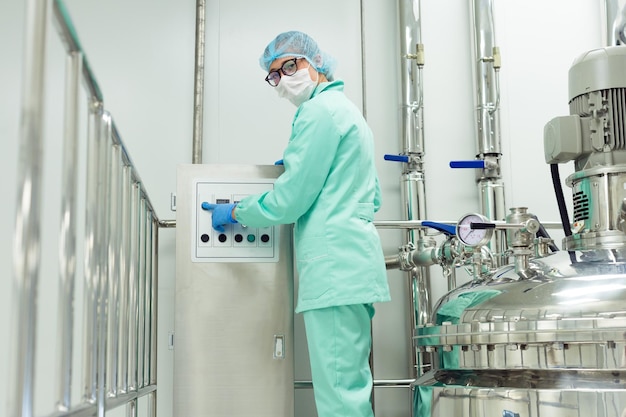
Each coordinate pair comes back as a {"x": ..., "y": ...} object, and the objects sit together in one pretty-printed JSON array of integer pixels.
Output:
[
  {"x": 238, "y": 238},
  {"x": 265, "y": 238},
  {"x": 205, "y": 238},
  {"x": 222, "y": 237}
]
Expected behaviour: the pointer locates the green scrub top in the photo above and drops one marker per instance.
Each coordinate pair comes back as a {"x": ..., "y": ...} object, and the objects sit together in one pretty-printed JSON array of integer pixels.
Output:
[{"x": 330, "y": 190}]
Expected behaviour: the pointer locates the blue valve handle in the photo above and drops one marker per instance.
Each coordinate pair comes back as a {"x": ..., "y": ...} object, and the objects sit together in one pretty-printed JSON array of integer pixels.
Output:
[
  {"x": 396, "y": 158},
  {"x": 442, "y": 227},
  {"x": 478, "y": 163}
]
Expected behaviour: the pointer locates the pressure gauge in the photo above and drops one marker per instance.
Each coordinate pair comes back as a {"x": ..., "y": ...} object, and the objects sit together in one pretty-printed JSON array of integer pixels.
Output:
[{"x": 473, "y": 237}]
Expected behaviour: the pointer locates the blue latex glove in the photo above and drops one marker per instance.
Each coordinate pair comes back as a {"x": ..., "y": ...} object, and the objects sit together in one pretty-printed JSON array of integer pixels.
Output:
[{"x": 221, "y": 214}]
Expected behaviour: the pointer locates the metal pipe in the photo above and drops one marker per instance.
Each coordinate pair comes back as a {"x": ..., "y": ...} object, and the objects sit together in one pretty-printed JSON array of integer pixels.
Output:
[
  {"x": 486, "y": 59},
  {"x": 103, "y": 236},
  {"x": 132, "y": 288},
  {"x": 114, "y": 277},
  {"x": 198, "y": 98},
  {"x": 68, "y": 34},
  {"x": 615, "y": 11},
  {"x": 141, "y": 293},
  {"x": 393, "y": 262},
  {"x": 491, "y": 192},
  {"x": 487, "y": 120},
  {"x": 413, "y": 187},
  {"x": 90, "y": 253},
  {"x": 131, "y": 409},
  {"x": 411, "y": 68},
  {"x": 152, "y": 404},
  {"x": 167, "y": 224},
  {"x": 380, "y": 383},
  {"x": 148, "y": 303},
  {"x": 155, "y": 305},
  {"x": 26, "y": 248},
  {"x": 67, "y": 235},
  {"x": 417, "y": 224},
  {"x": 125, "y": 271}
]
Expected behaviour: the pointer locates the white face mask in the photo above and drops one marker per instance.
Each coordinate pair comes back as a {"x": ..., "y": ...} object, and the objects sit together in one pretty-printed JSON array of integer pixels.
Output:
[{"x": 297, "y": 88}]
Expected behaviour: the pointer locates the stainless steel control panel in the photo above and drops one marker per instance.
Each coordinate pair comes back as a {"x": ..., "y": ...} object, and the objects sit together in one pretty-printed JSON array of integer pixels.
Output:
[{"x": 238, "y": 242}]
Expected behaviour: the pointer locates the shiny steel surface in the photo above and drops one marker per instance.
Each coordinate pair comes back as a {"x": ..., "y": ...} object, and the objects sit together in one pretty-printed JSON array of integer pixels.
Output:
[
  {"x": 460, "y": 401},
  {"x": 91, "y": 255},
  {"x": 488, "y": 134},
  {"x": 492, "y": 206},
  {"x": 486, "y": 95},
  {"x": 598, "y": 197},
  {"x": 26, "y": 252},
  {"x": 411, "y": 69},
  {"x": 615, "y": 22},
  {"x": 133, "y": 287},
  {"x": 549, "y": 345},
  {"x": 198, "y": 85},
  {"x": 125, "y": 260},
  {"x": 110, "y": 176},
  {"x": 227, "y": 316},
  {"x": 141, "y": 290},
  {"x": 67, "y": 234},
  {"x": 412, "y": 179},
  {"x": 113, "y": 270}
]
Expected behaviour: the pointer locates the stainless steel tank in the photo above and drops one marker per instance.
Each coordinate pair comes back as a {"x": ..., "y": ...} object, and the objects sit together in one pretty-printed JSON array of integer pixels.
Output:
[{"x": 547, "y": 336}]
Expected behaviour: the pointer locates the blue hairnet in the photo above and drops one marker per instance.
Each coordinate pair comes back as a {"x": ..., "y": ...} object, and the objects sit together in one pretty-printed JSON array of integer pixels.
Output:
[{"x": 298, "y": 44}]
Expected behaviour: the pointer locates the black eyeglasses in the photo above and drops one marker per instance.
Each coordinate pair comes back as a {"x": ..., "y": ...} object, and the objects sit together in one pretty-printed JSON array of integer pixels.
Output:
[{"x": 288, "y": 68}]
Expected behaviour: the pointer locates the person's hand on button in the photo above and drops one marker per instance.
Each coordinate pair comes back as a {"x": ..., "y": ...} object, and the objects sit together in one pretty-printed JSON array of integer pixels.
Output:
[{"x": 222, "y": 214}]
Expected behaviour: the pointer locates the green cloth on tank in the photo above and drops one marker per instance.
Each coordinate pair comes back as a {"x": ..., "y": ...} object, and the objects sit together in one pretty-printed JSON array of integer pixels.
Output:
[{"x": 452, "y": 311}]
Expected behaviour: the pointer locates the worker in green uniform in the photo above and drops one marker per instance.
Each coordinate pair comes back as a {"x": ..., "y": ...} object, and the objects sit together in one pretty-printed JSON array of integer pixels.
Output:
[{"x": 330, "y": 191}]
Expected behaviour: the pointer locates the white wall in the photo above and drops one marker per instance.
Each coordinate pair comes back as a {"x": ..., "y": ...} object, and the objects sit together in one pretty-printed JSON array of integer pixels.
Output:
[{"x": 142, "y": 54}]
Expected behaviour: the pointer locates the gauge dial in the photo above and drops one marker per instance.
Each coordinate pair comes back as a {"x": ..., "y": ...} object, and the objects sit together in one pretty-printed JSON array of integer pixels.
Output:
[{"x": 473, "y": 237}]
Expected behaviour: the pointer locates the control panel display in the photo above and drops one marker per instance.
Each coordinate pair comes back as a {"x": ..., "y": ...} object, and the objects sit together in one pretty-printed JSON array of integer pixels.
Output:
[{"x": 238, "y": 242}]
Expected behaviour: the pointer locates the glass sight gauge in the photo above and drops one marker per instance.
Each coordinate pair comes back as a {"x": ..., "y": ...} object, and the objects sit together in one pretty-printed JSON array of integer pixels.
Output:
[{"x": 473, "y": 237}]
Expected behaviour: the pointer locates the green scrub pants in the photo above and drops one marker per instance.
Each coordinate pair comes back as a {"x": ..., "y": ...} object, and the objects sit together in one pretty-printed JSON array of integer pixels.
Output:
[{"x": 339, "y": 341}]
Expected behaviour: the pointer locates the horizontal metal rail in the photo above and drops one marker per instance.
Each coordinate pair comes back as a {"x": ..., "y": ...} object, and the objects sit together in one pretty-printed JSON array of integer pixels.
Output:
[
  {"x": 417, "y": 224},
  {"x": 378, "y": 383}
]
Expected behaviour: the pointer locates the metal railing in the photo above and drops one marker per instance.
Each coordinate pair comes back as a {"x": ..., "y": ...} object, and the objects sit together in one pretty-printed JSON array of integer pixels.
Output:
[{"x": 120, "y": 246}]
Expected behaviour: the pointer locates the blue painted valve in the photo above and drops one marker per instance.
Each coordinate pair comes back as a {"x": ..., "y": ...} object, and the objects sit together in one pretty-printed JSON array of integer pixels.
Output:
[
  {"x": 397, "y": 158},
  {"x": 476, "y": 164}
]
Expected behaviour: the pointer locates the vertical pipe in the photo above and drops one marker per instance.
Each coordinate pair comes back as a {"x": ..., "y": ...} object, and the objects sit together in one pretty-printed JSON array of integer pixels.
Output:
[
  {"x": 104, "y": 238},
  {"x": 413, "y": 185},
  {"x": 141, "y": 293},
  {"x": 91, "y": 267},
  {"x": 155, "y": 305},
  {"x": 113, "y": 249},
  {"x": 26, "y": 250},
  {"x": 148, "y": 300},
  {"x": 131, "y": 408},
  {"x": 67, "y": 235},
  {"x": 411, "y": 69},
  {"x": 487, "y": 115},
  {"x": 615, "y": 22},
  {"x": 486, "y": 64},
  {"x": 125, "y": 271},
  {"x": 132, "y": 288},
  {"x": 198, "y": 98},
  {"x": 152, "y": 404},
  {"x": 364, "y": 110}
]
